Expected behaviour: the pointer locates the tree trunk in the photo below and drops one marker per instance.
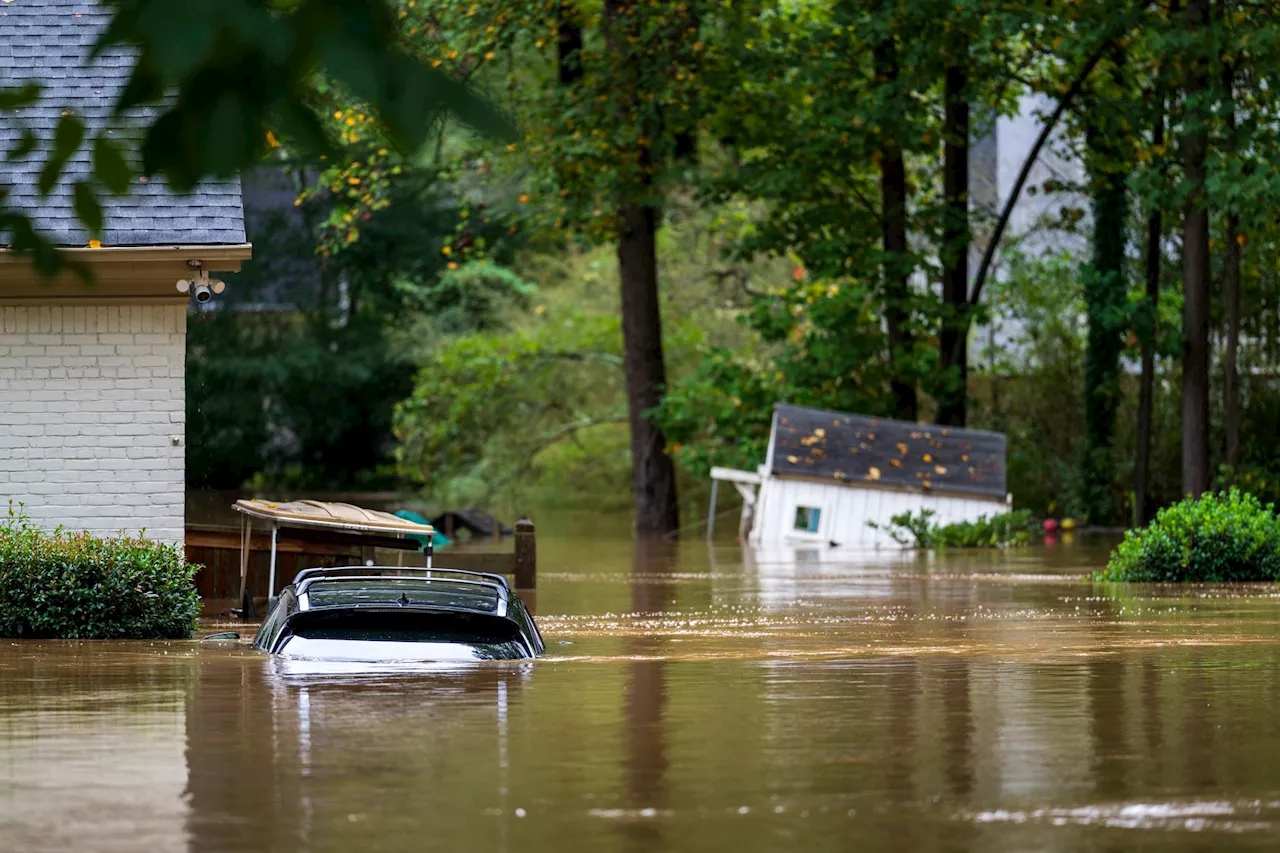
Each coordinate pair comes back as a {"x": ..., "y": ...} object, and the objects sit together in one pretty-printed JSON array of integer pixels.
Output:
[
  {"x": 653, "y": 478},
  {"x": 1230, "y": 358},
  {"x": 897, "y": 264},
  {"x": 653, "y": 474},
  {"x": 1105, "y": 296},
  {"x": 1149, "y": 334},
  {"x": 953, "y": 400},
  {"x": 1195, "y": 263},
  {"x": 1231, "y": 294},
  {"x": 568, "y": 44}
]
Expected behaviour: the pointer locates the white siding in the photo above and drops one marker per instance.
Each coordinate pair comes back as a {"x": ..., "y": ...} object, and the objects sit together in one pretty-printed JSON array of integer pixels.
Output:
[
  {"x": 93, "y": 416},
  {"x": 845, "y": 511}
]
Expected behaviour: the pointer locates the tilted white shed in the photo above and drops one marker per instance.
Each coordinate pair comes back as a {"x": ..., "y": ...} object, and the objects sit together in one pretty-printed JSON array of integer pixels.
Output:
[{"x": 826, "y": 474}]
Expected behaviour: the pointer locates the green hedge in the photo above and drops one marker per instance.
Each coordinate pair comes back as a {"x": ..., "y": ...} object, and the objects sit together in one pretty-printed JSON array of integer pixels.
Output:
[
  {"x": 921, "y": 531},
  {"x": 63, "y": 585},
  {"x": 1223, "y": 537}
]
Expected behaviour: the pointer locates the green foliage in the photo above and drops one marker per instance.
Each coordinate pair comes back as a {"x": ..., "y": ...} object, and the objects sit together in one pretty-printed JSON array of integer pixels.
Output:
[
  {"x": 484, "y": 406},
  {"x": 918, "y": 530},
  {"x": 222, "y": 76},
  {"x": 293, "y": 378},
  {"x": 1224, "y": 537},
  {"x": 719, "y": 415},
  {"x": 78, "y": 586}
]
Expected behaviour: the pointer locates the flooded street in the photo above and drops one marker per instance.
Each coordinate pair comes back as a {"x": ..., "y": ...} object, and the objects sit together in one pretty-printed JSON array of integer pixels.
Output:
[{"x": 690, "y": 700}]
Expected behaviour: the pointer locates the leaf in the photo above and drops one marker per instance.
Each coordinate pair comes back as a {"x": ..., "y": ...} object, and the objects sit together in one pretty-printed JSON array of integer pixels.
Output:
[
  {"x": 66, "y": 140},
  {"x": 110, "y": 166},
  {"x": 24, "y": 146},
  {"x": 88, "y": 210},
  {"x": 12, "y": 99},
  {"x": 406, "y": 94}
]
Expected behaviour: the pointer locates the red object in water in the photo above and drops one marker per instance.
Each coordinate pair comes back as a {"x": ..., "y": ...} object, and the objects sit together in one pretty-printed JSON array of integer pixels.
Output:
[{"x": 1050, "y": 524}]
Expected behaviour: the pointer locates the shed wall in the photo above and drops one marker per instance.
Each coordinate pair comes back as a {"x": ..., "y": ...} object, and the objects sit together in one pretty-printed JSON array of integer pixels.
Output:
[
  {"x": 93, "y": 416},
  {"x": 845, "y": 511}
]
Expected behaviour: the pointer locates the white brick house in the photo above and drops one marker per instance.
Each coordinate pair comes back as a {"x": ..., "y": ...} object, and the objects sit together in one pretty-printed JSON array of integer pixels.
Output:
[{"x": 92, "y": 382}]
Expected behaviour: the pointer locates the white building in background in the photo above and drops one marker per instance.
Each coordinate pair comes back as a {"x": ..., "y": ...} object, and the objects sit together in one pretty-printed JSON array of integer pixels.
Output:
[
  {"x": 827, "y": 477},
  {"x": 92, "y": 378},
  {"x": 1035, "y": 228}
]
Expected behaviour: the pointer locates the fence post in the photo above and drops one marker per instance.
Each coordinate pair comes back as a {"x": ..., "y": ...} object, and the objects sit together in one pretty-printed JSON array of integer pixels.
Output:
[{"x": 526, "y": 556}]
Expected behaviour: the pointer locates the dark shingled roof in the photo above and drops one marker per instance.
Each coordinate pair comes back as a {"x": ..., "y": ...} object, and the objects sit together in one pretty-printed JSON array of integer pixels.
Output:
[
  {"x": 855, "y": 449},
  {"x": 47, "y": 41}
]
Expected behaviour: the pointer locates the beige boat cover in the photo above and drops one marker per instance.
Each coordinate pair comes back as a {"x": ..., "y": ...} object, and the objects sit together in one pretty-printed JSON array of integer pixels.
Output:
[{"x": 336, "y": 515}]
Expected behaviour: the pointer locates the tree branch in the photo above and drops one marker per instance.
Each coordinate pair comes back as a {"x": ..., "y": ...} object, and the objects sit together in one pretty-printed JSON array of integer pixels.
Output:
[{"x": 984, "y": 268}]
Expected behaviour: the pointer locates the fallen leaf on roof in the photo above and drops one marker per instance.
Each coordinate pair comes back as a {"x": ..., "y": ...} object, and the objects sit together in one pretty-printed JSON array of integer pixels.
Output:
[{"x": 873, "y": 474}]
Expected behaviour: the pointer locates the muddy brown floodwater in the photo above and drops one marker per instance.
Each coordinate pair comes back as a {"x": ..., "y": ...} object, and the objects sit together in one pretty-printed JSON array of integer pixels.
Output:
[{"x": 691, "y": 700}]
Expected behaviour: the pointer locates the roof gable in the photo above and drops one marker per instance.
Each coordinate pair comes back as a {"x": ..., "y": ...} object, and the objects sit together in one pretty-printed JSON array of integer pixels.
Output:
[
  {"x": 854, "y": 449},
  {"x": 47, "y": 41}
]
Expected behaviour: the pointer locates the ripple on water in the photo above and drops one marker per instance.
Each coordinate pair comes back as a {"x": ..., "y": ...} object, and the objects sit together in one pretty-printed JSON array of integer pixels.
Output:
[{"x": 1188, "y": 816}]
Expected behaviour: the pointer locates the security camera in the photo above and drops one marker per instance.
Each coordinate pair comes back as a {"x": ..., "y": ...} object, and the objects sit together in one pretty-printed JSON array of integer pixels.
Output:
[{"x": 203, "y": 287}]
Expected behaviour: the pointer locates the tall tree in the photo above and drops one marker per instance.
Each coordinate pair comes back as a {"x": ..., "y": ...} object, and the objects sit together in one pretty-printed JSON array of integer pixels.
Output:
[
  {"x": 953, "y": 405},
  {"x": 893, "y": 222},
  {"x": 653, "y": 472},
  {"x": 1148, "y": 330},
  {"x": 1231, "y": 288},
  {"x": 1198, "y": 92},
  {"x": 1107, "y": 137}
]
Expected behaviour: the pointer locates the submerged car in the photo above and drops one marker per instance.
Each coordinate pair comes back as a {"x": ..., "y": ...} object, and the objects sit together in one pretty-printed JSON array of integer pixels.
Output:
[{"x": 380, "y": 614}]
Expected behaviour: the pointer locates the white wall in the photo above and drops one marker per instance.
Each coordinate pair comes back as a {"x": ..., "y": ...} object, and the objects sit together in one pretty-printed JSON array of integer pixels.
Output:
[
  {"x": 845, "y": 511},
  {"x": 93, "y": 417}
]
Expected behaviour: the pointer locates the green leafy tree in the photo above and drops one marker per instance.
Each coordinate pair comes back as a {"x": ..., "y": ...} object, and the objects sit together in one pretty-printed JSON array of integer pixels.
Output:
[{"x": 216, "y": 83}]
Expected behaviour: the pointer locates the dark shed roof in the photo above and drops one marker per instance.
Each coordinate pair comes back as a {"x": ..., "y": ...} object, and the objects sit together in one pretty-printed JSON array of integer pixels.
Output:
[
  {"x": 47, "y": 41},
  {"x": 856, "y": 449}
]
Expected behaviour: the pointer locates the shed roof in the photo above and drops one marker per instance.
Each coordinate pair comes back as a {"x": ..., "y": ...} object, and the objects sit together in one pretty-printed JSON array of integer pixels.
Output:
[
  {"x": 48, "y": 41},
  {"x": 853, "y": 449}
]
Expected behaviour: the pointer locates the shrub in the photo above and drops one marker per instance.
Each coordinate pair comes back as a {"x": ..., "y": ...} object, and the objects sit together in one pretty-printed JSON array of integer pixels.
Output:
[
  {"x": 1223, "y": 537},
  {"x": 63, "y": 585},
  {"x": 919, "y": 531}
]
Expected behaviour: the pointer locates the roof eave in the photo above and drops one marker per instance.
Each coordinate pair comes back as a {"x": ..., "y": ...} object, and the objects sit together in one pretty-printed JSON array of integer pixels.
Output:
[{"x": 206, "y": 253}]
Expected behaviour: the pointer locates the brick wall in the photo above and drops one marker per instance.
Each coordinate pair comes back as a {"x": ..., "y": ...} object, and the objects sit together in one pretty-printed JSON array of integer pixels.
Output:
[{"x": 92, "y": 416}]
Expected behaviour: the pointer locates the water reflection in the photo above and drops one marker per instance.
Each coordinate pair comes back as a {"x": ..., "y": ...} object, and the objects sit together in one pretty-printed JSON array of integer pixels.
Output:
[
  {"x": 914, "y": 703},
  {"x": 652, "y": 592},
  {"x": 281, "y": 757}
]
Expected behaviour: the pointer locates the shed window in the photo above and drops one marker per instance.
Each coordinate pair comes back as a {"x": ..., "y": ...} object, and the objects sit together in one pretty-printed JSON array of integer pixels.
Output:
[{"x": 807, "y": 518}]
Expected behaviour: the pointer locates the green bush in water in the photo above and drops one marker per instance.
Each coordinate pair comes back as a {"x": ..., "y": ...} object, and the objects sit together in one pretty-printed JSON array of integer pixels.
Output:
[
  {"x": 1223, "y": 537},
  {"x": 64, "y": 585},
  {"x": 919, "y": 530}
]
